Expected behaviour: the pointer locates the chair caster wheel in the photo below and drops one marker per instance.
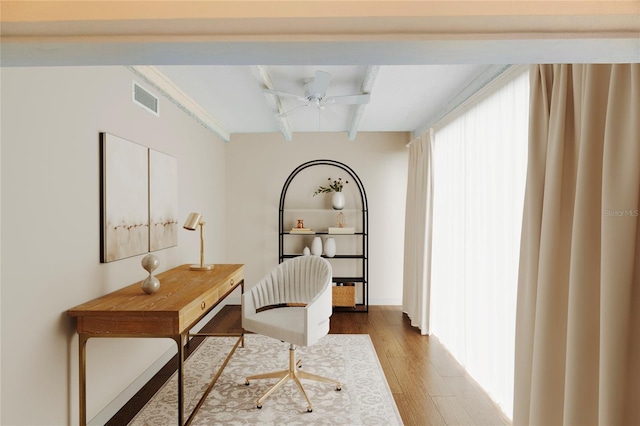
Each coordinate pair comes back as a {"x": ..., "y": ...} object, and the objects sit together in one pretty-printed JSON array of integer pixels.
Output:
[
  {"x": 338, "y": 388},
  {"x": 259, "y": 406},
  {"x": 309, "y": 410},
  {"x": 246, "y": 383}
]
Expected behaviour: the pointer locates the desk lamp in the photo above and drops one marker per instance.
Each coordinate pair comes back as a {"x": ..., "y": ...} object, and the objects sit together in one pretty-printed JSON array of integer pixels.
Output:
[{"x": 193, "y": 221}]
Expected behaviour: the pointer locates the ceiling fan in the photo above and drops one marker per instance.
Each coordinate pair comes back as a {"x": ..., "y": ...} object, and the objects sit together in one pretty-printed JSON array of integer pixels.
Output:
[{"x": 315, "y": 93}]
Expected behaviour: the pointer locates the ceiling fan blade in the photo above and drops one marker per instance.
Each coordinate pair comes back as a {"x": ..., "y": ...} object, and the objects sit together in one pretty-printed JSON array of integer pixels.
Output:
[
  {"x": 292, "y": 110},
  {"x": 285, "y": 95},
  {"x": 349, "y": 99},
  {"x": 319, "y": 84}
]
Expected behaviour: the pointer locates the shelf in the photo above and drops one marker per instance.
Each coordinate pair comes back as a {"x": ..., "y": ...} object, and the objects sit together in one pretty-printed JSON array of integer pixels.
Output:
[
  {"x": 348, "y": 280},
  {"x": 316, "y": 216},
  {"x": 320, "y": 233},
  {"x": 287, "y": 209},
  {"x": 337, "y": 256},
  {"x": 360, "y": 307}
]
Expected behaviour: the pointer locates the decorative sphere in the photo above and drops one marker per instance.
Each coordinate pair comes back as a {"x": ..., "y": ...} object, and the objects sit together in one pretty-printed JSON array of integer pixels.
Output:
[
  {"x": 150, "y": 263},
  {"x": 150, "y": 285}
]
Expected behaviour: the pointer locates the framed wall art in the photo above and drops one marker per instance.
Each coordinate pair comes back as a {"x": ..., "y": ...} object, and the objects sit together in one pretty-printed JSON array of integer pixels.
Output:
[
  {"x": 163, "y": 201},
  {"x": 124, "y": 198}
]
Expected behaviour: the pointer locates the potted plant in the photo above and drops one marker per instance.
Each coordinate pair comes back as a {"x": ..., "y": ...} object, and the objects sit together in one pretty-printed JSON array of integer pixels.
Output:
[{"x": 334, "y": 186}]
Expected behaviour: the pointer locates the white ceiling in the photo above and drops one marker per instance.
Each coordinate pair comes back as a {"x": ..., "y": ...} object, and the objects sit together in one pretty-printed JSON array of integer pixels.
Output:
[
  {"x": 417, "y": 59},
  {"x": 403, "y": 97}
]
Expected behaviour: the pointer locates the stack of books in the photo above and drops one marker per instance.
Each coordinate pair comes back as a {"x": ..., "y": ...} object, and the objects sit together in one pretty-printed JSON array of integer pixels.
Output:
[
  {"x": 302, "y": 231},
  {"x": 344, "y": 230}
]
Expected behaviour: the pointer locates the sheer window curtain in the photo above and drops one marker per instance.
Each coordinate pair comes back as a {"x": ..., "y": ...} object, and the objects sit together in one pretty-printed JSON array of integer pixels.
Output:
[
  {"x": 578, "y": 325},
  {"x": 418, "y": 229},
  {"x": 479, "y": 178}
]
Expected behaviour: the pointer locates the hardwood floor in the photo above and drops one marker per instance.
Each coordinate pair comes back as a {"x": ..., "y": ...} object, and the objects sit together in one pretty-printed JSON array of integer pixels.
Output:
[{"x": 429, "y": 386}]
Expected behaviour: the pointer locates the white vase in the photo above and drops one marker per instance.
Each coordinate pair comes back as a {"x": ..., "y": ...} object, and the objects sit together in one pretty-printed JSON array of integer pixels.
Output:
[
  {"x": 316, "y": 246},
  {"x": 306, "y": 251},
  {"x": 337, "y": 200},
  {"x": 330, "y": 247}
]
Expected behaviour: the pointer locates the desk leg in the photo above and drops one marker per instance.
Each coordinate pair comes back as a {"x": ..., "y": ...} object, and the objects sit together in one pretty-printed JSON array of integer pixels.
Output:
[
  {"x": 82, "y": 374},
  {"x": 179, "y": 339}
]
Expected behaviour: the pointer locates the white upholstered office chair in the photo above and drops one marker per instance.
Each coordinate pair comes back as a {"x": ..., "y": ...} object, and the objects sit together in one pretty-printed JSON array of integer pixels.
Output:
[{"x": 292, "y": 304}]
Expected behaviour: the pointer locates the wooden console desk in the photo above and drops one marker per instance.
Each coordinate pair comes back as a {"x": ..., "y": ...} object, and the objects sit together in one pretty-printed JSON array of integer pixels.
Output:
[{"x": 184, "y": 298}]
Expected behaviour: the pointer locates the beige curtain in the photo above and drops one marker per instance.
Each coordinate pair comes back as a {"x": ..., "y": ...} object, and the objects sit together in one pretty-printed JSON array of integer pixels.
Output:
[
  {"x": 418, "y": 232},
  {"x": 578, "y": 314}
]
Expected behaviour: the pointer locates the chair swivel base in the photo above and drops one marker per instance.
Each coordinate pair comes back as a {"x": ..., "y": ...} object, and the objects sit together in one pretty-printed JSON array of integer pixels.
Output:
[{"x": 291, "y": 374}]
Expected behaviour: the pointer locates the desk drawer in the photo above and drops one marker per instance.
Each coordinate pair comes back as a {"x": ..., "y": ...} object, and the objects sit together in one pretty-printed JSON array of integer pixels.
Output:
[
  {"x": 195, "y": 311},
  {"x": 209, "y": 300},
  {"x": 139, "y": 326},
  {"x": 231, "y": 283}
]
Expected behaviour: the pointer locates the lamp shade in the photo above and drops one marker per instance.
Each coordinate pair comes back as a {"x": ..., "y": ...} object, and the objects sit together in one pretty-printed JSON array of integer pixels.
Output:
[{"x": 192, "y": 221}]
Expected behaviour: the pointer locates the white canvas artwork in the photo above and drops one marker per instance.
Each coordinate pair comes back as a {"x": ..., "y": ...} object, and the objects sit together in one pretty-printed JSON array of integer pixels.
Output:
[
  {"x": 125, "y": 198},
  {"x": 163, "y": 201}
]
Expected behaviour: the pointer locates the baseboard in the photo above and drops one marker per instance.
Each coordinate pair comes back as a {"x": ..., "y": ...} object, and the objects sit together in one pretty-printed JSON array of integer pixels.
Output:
[
  {"x": 116, "y": 405},
  {"x": 386, "y": 302}
]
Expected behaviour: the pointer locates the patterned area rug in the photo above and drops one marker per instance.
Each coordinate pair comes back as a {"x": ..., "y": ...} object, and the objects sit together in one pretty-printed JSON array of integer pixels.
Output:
[{"x": 365, "y": 398}]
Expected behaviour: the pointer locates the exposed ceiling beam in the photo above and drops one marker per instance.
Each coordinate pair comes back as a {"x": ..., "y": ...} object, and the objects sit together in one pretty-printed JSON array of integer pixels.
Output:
[
  {"x": 366, "y": 32},
  {"x": 367, "y": 87},
  {"x": 355, "y": 19},
  {"x": 164, "y": 85},
  {"x": 264, "y": 78}
]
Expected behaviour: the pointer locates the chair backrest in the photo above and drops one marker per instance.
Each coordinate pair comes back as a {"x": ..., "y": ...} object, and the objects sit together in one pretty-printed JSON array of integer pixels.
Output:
[{"x": 295, "y": 281}]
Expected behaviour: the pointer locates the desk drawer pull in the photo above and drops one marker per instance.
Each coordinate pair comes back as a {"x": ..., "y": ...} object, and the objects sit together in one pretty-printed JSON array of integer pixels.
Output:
[
  {"x": 203, "y": 305},
  {"x": 232, "y": 282}
]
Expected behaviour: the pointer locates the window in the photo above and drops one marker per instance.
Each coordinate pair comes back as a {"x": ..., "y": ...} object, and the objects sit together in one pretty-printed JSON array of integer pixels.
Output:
[{"x": 479, "y": 181}]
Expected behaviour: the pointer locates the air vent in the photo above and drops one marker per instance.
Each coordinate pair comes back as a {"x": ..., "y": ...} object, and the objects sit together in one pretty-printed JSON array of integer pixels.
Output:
[{"x": 145, "y": 99}]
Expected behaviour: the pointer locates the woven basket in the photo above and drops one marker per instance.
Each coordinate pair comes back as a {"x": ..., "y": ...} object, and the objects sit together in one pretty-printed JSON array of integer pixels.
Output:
[{"x": 344, "y": 296}]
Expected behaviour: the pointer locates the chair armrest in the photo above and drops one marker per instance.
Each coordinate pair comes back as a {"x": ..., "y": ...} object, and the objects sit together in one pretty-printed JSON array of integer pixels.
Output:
[
  {"x": 317, "y": 315},
  {"x": 248, "y": 307}
]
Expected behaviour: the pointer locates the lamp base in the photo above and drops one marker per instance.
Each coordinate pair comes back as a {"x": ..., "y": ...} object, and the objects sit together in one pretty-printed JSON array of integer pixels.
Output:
[{"x": 201, "y": 267}]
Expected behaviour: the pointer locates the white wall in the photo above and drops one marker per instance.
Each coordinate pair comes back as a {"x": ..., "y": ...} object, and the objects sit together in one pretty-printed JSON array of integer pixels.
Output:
[
  {"x": 51, "y": 118},
  {"x": 50, "y": 121},
  {"x": 257, "y": 167}
]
